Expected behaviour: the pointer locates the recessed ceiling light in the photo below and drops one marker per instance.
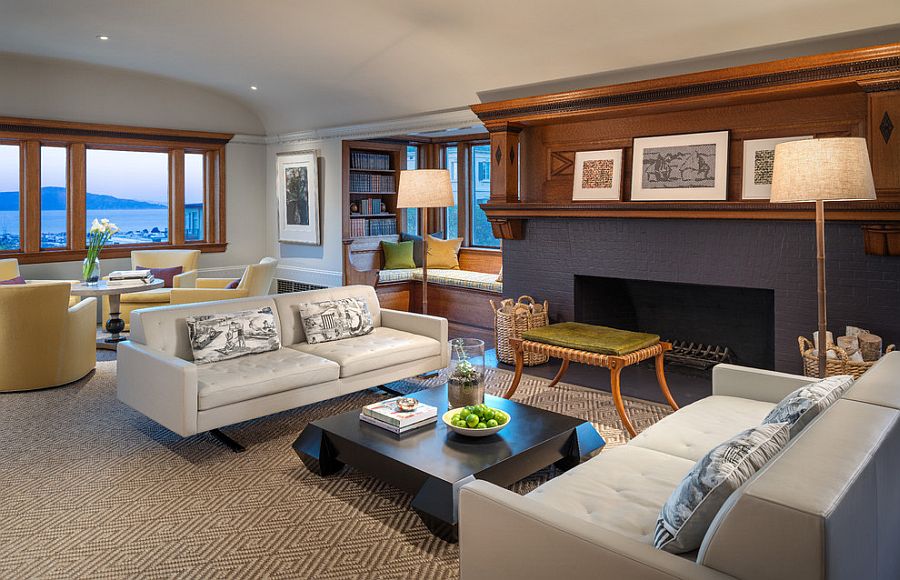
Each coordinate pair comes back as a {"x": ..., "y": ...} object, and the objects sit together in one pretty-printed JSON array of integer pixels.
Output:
[
  {"x": 102, "y": 37},
  {"x": 254, "y": 88}
]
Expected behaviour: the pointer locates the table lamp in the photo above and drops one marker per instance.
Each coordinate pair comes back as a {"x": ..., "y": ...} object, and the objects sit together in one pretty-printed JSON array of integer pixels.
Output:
[
  {"x": 424, "y": 188},
  {"x": 820, "y": 170}
]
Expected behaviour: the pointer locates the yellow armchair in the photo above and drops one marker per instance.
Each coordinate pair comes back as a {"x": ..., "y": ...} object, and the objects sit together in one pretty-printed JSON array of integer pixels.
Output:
[
  {"x": 9, "y": 269},
  {"x": 187, "y": 259},
  {"x": 43, "y": 341},
  {"x": 256, "y": 281}
]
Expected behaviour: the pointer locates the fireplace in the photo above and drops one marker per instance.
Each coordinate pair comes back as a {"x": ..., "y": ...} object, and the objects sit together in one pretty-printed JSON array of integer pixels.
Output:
[{"x": 732, "y": 324}]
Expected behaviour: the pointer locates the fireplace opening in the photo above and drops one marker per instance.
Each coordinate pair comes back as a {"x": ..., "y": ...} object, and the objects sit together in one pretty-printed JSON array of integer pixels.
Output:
[{"x": 706, "y": 324}]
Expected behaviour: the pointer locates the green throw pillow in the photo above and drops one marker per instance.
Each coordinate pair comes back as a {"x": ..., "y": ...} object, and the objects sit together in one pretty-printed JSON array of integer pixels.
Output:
[{"x": 398, "y": 256}]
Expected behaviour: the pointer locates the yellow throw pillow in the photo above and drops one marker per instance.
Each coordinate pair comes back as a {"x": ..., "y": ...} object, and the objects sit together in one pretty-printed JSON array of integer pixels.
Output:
[{"x": 443, "y": 254}]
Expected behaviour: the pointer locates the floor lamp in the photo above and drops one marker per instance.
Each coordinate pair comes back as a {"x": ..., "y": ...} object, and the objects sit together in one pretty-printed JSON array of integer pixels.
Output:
[
  {"x": 424, "y": 188},
  {"x": 820, "y": 170}
]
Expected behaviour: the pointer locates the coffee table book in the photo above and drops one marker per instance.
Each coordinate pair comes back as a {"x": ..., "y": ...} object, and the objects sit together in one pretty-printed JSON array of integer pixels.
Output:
[
  {"x": 388, "y": 412},
  {"x": 397, "y": 430}
]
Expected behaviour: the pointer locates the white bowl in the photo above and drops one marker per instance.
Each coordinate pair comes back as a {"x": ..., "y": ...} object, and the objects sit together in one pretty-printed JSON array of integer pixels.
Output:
[{"x": 472, "y": 432}]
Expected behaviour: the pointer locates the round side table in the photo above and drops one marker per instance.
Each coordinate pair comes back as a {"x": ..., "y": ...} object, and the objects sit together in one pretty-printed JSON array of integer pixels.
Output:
[{"x": 113, "y": 289}]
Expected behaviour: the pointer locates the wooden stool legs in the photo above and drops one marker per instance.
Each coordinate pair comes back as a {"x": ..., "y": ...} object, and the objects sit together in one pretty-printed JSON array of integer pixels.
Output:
[
  {"x": 661, "y": 379},
  {"x": 615, "y": 372},
  {"x": 520, "y": 365}
]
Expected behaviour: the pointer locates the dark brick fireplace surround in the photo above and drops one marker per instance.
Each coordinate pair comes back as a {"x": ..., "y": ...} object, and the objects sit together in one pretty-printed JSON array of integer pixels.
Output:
[{"x": 776, "y": 255}]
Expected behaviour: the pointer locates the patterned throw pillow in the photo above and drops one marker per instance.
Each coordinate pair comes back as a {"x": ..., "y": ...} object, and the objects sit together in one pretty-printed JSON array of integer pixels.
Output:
[
  {"x": 804, "y": 404},
  {"x": 335, "y": 319},
  {"x": 218, "y": 337},
  {"x": 689, "y": 511}
]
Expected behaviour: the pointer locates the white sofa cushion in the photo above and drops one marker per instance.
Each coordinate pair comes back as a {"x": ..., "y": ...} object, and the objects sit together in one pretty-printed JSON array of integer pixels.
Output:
[
  {"x": 622, "y": 489},
  {"x": 241, "y": 379},
  {"x": 383, "y": 347},
  {"x": 696, "y": 428}
]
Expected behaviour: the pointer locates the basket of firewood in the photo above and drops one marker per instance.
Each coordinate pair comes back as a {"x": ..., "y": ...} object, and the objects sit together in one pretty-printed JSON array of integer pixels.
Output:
[{"x": 845, "y": 360}]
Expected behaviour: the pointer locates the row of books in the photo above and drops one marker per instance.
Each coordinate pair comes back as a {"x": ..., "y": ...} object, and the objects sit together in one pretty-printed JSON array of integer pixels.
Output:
[
  {"x": 360, "y": 160},
  {"x": 369, "y": 206},
  {"x": 377, "y": 227},
  {"x": 365, "y": 182},
  {"x": 389, "y": 416}
]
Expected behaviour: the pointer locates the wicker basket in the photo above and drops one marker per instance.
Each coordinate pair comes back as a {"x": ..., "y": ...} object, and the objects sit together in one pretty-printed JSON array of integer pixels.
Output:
[
  {"x": 842, "y": 365},
  {"x": 511, "y": 320}
]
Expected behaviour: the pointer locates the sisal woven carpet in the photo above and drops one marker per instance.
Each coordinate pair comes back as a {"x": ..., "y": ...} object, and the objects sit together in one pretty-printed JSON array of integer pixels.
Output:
[{"x": 93, "y": 489}]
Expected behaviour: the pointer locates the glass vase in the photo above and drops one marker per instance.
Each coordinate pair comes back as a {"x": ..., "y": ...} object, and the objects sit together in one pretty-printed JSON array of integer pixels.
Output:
[
  {"x": 90, "y": 271},
  {"x": 465, "y": 379}
]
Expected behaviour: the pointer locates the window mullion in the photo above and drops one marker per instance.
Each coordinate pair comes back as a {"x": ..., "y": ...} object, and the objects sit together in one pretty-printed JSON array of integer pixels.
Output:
[
  {"x": 76, "y": 202},
  {"x": 176, "y": 196},
  {"x": 30, "y": 218}
]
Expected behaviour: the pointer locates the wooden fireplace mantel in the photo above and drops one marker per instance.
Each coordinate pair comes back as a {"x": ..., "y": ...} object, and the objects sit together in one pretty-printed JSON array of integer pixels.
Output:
[{"x": 847, "y": 93}]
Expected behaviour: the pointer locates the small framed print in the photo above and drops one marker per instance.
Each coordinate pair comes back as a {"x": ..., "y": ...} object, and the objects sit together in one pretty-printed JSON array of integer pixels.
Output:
[
  {"x": 691, "y": 167},
  {"x": 759, "y": 159},
  {"x": 598, "y": 175}
]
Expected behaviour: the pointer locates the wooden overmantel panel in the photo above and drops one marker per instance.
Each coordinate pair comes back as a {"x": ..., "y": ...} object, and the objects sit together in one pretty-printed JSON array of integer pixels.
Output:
[{"x": 829, "y": 95}]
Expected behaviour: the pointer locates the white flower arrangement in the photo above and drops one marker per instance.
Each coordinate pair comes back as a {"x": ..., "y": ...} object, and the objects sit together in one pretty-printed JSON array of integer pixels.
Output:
[{"x": 101, "y": 232}]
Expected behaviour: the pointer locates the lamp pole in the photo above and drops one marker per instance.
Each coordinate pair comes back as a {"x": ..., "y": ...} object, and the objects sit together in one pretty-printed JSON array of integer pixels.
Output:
[
  {"x": 820, "y": 263},
  {"x": 425, "y": 260}
]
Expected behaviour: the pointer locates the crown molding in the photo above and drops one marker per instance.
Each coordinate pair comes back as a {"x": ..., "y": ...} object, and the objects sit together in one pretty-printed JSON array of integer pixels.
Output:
[
  {"x": 453, "y": 119},
  {"x": 241, "y": 139}
]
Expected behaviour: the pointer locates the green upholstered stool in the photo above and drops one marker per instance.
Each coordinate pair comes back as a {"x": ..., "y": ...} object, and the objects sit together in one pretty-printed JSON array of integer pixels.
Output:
[{"x": 600, "y": 346}]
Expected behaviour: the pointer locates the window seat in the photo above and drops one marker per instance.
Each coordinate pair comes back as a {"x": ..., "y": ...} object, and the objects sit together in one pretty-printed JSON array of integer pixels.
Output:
[{"x": 457, "y": 278}]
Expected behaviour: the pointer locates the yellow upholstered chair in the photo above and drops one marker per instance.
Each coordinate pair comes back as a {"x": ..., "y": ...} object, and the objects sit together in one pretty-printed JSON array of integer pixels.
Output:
[
  {"x": 187, "y": 259},
  {"x": 256, "y": 281},
  {"x": 9, "y": 269},
  {"x": 43, "y": 341}
]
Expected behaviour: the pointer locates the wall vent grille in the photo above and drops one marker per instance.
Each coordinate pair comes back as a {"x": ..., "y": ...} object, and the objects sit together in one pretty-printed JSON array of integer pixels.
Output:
[{"x": 288, "y": 286}]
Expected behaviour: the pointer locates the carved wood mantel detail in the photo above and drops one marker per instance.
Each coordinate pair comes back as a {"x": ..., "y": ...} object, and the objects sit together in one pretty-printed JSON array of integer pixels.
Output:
[{"x": 848, "y": 93}]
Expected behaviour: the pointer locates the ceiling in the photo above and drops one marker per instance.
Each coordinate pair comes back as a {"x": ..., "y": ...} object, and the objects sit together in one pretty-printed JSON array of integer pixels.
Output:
[{"x": 325, "y": 63}]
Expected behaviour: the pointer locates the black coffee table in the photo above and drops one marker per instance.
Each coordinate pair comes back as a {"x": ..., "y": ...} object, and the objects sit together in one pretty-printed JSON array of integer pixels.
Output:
[{"x": 432, "y": 463}]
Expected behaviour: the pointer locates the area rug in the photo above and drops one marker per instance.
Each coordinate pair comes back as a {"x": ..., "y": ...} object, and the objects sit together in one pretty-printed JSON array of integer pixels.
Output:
[{"x": 93, "y": 489}]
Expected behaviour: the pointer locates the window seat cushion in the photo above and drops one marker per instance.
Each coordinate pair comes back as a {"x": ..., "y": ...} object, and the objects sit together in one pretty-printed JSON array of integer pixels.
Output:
[{"x": 455, "y": 278}]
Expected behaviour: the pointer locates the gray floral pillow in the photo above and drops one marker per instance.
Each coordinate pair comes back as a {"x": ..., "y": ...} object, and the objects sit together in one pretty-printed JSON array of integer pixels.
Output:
[
  {"x": 335, "y": 319},
  {"x": 803, "y": 405},
  {"x": 689, "y": 511},
  {"x": 217, "y": 337}
]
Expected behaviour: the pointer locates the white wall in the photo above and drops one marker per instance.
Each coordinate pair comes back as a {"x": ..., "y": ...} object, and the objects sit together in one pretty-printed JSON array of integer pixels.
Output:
[{"x": 62, "y": 90}]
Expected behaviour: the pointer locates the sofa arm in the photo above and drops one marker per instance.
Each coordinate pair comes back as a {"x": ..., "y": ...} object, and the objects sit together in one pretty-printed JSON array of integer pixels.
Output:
[
  {"x": 757, "y": 384},
  {"x": 505, "y": 535},
  {"x": 161, "y": 386},
  {"x": 185, "y": 279},
  {"x": 431, "y": 326},
  {"x": 192, "y": 295}
]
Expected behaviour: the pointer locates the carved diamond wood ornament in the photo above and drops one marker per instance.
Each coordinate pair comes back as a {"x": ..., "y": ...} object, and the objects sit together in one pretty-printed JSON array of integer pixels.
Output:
[
  {"x": 886, "y": 127},
  {"x": 498, "y": 155}
]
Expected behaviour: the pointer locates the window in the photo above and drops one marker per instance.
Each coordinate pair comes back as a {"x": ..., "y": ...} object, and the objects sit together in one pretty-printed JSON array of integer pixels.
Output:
[
  {"x": 412, "y": 215},
  {"x": 482, "y": 235},
  {"x": 193, "y": 196},
  {"x": 53, "y": 197},
  {"x": 131, "y": 189},
  {"x": 450, "y": 162},
  {"x": 9, "y": 197}
]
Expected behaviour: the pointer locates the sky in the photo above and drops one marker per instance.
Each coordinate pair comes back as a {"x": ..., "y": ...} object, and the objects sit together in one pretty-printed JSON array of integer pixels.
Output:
[{"x": 141, "y": 176}]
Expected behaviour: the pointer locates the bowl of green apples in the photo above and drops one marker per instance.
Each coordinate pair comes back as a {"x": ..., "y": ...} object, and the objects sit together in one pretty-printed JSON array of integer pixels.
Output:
[{"x": 476, "y": 420}]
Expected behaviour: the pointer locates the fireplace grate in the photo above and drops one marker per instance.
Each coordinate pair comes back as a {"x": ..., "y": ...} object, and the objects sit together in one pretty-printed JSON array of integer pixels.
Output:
[{"x": 698, "y": 356}]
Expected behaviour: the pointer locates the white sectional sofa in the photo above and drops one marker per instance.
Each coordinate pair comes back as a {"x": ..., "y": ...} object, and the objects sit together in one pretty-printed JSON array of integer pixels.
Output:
[
  {"x": 827, "y": 506},
  {"x": 157, "y": 375}
]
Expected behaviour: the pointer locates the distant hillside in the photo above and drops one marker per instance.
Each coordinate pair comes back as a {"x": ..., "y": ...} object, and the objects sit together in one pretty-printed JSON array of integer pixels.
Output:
[{"x": 54, "y": 198}]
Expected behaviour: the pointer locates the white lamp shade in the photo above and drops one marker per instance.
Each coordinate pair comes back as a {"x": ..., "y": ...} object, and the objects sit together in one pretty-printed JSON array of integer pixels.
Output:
[
  {"x": 425, "y": 188},
  {"x": 832, "y": 169}
]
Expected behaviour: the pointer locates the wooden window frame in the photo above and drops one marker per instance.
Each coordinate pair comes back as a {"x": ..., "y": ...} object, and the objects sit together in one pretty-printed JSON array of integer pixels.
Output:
[{"x": 31, "y": 134}]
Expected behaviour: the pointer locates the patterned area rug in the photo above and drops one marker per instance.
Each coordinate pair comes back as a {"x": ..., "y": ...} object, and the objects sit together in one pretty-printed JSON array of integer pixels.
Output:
[{"x": 93, "y": 489}]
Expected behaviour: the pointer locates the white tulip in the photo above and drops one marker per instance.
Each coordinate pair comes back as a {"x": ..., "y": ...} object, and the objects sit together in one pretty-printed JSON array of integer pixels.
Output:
[{"x": 104, "y": 221}]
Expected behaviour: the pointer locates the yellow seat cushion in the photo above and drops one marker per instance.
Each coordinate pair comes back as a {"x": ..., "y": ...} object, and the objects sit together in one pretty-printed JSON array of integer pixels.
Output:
[
  {"x": 443, "y": 254},
  {"x": 148, "y": 297},
  {"x": 591, "y": 338}
]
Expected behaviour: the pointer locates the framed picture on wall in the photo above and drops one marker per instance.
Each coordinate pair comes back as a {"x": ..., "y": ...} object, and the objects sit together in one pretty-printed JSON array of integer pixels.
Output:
[
  {"x": 759, "y": 159},
  {"x": 297, "y": 188},
  {"x": 690, "y": 167},
  {"x": 598, "y": 175}
]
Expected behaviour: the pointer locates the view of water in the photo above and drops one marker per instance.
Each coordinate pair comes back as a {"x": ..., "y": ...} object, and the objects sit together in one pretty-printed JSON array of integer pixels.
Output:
[{"x": 127, "y": 220}]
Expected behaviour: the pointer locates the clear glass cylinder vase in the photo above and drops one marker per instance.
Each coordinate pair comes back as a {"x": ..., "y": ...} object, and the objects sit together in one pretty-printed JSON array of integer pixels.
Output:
[
  {"x": 465, "y": 376},
  {"x": 90, "y": 270}
]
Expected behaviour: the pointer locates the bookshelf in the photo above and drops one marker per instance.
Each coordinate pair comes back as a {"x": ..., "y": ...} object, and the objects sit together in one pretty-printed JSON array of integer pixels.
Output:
[{"x": 371, "y": 172}]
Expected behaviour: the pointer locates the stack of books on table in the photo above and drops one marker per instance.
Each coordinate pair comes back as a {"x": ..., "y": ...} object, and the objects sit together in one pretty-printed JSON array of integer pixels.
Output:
[
  {"x": 145, "y": 276},
  {"x": 388, "y": 415}
]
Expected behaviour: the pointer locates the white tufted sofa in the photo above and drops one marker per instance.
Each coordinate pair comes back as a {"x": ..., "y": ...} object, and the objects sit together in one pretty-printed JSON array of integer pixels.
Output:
[
  {"x": 157, "y": 376},
  {"x": 827, "y": 506}
]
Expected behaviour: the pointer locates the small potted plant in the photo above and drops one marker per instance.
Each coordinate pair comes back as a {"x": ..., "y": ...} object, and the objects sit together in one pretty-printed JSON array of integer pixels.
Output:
[
  {"x": 100, "y": 233},
  {"x": 465, "y": 384}
]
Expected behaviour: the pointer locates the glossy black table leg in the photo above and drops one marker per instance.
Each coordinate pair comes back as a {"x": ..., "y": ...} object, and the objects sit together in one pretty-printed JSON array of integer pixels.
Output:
[
  {"x": 584, "y": 441},
  {"x": 115, "y": 325},
  {"x": 316, "y": 452}
]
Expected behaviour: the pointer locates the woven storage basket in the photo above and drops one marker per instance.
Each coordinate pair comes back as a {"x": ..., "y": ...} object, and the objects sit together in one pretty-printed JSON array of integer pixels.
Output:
[
  {"x": 842, "y": 365},
  {"x": 511, "y": 320}
]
